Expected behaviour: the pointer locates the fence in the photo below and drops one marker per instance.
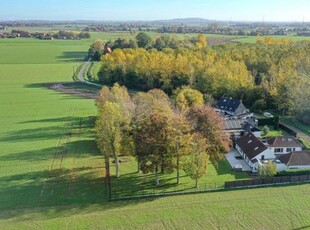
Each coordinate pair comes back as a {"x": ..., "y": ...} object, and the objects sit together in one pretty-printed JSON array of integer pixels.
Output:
[
  {"x": 267, "y": 181},
  {"x": 287, "y": 129},
  {"x": 182, "y": 190}
]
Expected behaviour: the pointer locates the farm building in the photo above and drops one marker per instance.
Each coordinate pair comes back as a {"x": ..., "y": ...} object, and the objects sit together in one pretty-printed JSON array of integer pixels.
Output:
[{"x": 231, "y": 106}]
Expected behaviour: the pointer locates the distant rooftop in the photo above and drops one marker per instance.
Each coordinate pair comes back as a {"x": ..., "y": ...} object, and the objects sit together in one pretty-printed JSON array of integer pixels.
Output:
[{"x": 284, "y": 142}]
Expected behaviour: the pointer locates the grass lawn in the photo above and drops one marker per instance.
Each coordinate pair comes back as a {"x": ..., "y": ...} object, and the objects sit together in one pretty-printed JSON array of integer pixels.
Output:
[
  {"x": 274, "y": 133},
  {"x": 132, "y": 183},
  {"x": 51, "y": 174}
]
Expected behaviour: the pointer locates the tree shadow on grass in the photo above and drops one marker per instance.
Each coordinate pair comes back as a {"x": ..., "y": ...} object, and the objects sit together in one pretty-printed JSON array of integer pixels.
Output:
[
  {"x": 80, "y": 148},
  {"x": 72, "y": 56},
  {"x": 75, "y": 189},
  {"x": 70, "y": 125}
]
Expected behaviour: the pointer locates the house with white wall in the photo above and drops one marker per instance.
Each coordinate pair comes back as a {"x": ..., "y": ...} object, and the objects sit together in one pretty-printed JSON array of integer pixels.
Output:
[
  {"x": 256, "y": 151},
  {"x": 252, "y": 149},
  {"x": 293, "y": 160},
  {"x": 283, "y": 145}
]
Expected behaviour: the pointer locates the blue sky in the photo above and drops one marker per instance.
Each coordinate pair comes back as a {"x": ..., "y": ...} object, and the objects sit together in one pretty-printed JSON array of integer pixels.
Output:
[{"x": 244, "y": 10}]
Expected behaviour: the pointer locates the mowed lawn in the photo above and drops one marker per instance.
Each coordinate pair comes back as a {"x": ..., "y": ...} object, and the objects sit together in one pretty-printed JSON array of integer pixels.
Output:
[{"x": 51, "y": 173}]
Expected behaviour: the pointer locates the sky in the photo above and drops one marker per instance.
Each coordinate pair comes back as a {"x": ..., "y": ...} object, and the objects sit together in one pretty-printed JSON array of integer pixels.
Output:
[{"x": 122, "y": 10}]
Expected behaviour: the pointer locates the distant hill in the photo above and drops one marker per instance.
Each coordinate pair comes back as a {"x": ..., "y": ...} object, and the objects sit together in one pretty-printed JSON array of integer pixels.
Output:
[{"x": 188, "y": 21}]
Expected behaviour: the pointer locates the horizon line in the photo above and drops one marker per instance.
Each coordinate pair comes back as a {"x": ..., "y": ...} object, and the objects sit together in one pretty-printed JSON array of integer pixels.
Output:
[{"x": 145, "y": 20}]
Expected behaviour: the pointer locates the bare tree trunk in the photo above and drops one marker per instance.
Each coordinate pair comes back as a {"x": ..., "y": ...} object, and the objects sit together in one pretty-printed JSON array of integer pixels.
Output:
[
  {"x": 116, "y": 166},
  {"x": 156, "y": 176},
  {"x": 196, "y": 182},
  {"x": 178, "y": 168}
]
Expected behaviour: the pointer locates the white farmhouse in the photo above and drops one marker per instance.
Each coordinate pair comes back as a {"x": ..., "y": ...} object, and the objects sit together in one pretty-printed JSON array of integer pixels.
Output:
[
  {"x": 283, "y": 145},
  {"x": 256, "y": 151}
]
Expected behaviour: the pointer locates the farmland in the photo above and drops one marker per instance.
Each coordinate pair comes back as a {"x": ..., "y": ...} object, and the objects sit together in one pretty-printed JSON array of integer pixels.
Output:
[{"x": 51, "y": 173}]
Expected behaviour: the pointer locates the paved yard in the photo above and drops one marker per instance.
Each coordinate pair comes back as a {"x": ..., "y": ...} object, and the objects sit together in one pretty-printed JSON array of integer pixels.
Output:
[{"x": 231, "y": 157}]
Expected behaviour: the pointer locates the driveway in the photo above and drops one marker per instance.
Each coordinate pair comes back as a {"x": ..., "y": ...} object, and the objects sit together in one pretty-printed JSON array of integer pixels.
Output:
[{"x": 237, "y": 163}]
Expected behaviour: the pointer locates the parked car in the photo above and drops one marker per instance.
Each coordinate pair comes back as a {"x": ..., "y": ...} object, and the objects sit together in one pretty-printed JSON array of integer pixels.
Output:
[{"x": 266, "y": 114}]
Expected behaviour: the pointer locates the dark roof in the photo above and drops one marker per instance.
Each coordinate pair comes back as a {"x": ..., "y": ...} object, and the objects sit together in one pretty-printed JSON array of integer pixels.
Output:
[
  {"x": 250, "y": 128},
  {"x": 296, "y": 158},
  {"x": 228, "y": 104},
  {"x": 284, "y": 142},
  {"x": 234, "y": 124},
  {"x": 251, "y": 145}
]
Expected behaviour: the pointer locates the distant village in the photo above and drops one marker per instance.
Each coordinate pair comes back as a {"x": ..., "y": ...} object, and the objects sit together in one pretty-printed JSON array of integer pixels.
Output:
[
  {"x": 251, "y": 150},
  {"x": 43, "y": 36}
]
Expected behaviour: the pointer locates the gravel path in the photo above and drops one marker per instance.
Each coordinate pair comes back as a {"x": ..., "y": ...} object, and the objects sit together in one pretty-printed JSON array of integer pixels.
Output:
[{"x": 82, "y": 74}]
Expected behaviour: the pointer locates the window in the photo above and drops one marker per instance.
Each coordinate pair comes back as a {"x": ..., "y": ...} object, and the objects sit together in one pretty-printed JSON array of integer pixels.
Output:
[
  {"x": 262, "y": 157},
  {"x": 293, "y": 149},
  {"x": 289, "y": 150},
  {"x": 278, "y": 150}
]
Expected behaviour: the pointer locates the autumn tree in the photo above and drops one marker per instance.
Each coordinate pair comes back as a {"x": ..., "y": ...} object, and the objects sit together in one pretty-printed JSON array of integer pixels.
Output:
[
  {"x": 181, "y": 139},
  {"x": 153, "y": 131},
  {"x": 267, "y": 170},
  {"x": 109, "y": 132},
  {"x": 115, "y": 109},
  {"x": 187, "y": 97},
  {"x": 201, "y": 41},
  {"x": 196, "y": 164},
  {"x": 119, "y": 95},
  {"x": 206, "y": 122}
]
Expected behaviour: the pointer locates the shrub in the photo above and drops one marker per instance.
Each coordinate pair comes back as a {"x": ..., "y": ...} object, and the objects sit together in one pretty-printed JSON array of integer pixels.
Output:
[{"x": 266, "y": 130}]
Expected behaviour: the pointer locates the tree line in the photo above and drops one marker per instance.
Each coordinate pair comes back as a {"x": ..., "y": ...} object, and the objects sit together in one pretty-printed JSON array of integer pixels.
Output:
[
  {"x": 163, "y": 134},
  {"x": 271, "y": 74},
  {"x": 50, "y": 35},
  {"x": 141, "y": 40}
]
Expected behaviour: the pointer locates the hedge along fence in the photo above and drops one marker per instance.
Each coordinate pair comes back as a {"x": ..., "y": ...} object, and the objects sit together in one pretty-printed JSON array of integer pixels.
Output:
[
  {"x": 294, "y": 172},
  {"x": 271, "y": 121},
  {"x": 267, "y": 181},
  {"x": 90, "y": 71},
  {"x": 287, "y": 129}
]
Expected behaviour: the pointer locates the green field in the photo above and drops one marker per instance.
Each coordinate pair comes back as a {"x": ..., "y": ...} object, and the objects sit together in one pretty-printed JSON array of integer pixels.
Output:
[
  {"x": 113, "y": 35},
  {"x": 51, "y": 174}
]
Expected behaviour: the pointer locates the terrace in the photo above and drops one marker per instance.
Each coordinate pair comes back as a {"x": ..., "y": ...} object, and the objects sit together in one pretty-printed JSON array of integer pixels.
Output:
[{"x": 237, "y": 162}]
